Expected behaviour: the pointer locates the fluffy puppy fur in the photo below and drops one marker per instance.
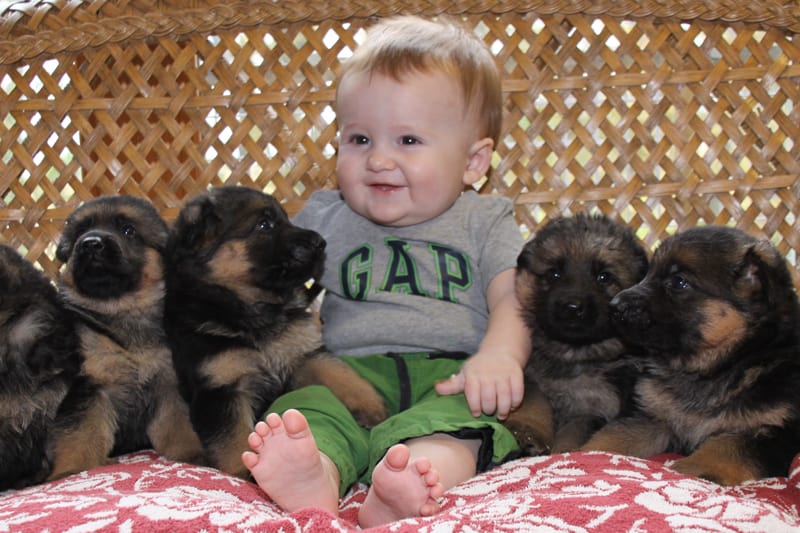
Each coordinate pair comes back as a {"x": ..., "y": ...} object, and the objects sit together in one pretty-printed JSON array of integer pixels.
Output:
[
  {"x": 238, "y": 320},
  {"x": 39, "y": 359},
  {"x": 125, "y": 397},
  {"x": 717, "y": 320},
  {"x": 579, "y": 375}
]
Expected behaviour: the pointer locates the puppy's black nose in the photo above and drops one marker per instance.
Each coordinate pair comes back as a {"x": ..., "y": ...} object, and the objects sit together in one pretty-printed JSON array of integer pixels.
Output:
[
  {"x": 317, "y": 242},
  {"x": 628, "y": 311},
  {"x": 309, "y": 241},
  {"x": 575, "y": 309},
  {"x": 303, "y": 246},
  {"x": 92, "y": 244},
  {"x": 615, "y": 308}
]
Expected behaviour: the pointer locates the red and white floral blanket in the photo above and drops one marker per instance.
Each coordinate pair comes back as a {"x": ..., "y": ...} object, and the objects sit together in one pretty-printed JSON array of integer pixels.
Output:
[{"x": 571, "y": 492}]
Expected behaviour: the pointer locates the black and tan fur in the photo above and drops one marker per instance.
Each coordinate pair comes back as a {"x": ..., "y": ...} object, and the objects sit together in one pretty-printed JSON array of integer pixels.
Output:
[
  {"x": 238, "y": 318},
  {"x": 717, "y": 319},
  {"x": 126, "y": 396},
  {"x": 39, "y": 359},
  {"x": 579, "y": 375}
]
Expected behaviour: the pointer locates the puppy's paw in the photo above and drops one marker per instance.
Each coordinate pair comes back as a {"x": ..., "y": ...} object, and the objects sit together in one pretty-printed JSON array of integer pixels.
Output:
[
  {"x": 531, "y": 441},
  {"x": 364, "y": 403},
  {"x": 720, "y": 472},
  {"x": 722, "y": 459},
  {"x": 355, "y": 392},
  {"x": 64, "y": 470},
  {"x": 369, "y": 416}
]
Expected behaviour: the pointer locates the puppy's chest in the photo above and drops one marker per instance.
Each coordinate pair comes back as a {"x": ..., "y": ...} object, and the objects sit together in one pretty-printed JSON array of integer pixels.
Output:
[
  {"x": 109, "y": 363},
  {"x": 556, "y": 361},
  {"x": 271, "y": 360},
  {"x": 696, "y": 410},
  {"x": 583, "y": 395}
]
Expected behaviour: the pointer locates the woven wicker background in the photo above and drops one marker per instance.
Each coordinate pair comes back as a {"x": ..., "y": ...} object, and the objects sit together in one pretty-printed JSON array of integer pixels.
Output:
[{"x": 662, "y": 114}]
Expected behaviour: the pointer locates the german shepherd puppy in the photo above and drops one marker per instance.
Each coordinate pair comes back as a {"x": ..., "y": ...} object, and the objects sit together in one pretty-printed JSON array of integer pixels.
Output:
[
  {"x": 125, "y": 397},
  {"x": 238, "y": 320},
  {"x": 717, "y": 320},
  {"x": 579, "y": 375},
  {"x": 39, "y": 359}
]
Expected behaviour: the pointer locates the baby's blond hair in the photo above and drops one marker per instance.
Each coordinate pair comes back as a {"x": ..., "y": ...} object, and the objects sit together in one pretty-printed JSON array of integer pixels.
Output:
[{"x": 401, "y": 45}]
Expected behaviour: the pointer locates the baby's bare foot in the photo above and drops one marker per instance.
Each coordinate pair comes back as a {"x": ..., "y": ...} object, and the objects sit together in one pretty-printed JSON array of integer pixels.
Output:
[
  {"x": 400, "y": 489},
  {"x": 287, "y": 465}
]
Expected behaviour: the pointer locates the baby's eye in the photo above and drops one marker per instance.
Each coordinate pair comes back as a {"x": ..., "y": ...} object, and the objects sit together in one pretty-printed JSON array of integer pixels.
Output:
[
  {"x": 358, "y": 139},
  {"x": 409, "y": 140}
]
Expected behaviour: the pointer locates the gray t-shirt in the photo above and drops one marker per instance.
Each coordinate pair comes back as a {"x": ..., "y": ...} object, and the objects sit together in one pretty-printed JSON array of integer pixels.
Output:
[{"x": 410, "y": 289}]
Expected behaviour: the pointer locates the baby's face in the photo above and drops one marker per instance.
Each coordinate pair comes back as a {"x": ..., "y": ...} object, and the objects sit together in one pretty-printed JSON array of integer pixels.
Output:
[{"x": 405, "y": 146}]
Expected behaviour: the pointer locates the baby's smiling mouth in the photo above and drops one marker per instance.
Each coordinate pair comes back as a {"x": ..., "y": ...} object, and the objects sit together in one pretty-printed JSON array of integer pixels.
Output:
[{"x": 385, "y": 187}]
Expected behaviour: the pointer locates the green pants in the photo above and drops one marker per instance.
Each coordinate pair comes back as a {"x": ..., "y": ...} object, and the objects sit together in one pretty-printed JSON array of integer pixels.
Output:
[{"x": 406, "y": 383}]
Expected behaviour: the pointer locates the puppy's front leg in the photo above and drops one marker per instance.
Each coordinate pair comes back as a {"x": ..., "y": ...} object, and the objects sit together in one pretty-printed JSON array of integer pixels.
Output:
[
  {"x": 636, "y": 436},
  {"x": 532, "y": 422},
  {"x": 84, "y": 439},
  {"x": 171, "y": 432},
  {"x": 224, "y": 419},
  {"x": 574, "y": 431}
]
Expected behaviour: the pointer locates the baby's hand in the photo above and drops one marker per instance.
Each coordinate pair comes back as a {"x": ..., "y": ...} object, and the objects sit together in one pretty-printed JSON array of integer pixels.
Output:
[{"x": 491, "y": 383}]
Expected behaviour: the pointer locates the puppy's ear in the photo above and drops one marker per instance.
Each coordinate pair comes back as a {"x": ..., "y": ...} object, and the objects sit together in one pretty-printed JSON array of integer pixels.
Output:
[
  {"x": 64, "y": 246},
  {"x": 763, "y": 275},
  {"x": 197, "y": 225},
  {"x": 525, "y": 258}
]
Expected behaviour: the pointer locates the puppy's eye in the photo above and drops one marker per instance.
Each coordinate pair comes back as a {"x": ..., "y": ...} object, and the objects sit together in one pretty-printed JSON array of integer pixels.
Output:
[
  {"x": 678, "y": 283},
  {"x": 264, "y": 224},
  {"x": 552, "y": 275},
  {"x": 128, "y": 231},
  {"x": 604, "y": 277}
]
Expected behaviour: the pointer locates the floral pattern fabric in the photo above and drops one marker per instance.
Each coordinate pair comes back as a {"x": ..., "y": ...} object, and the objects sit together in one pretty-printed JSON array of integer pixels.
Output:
[{"x": 576, "y": 492}]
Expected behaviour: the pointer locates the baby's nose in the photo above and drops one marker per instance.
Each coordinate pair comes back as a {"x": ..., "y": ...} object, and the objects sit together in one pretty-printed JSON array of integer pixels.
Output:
[{"x": 379, "y": 160}]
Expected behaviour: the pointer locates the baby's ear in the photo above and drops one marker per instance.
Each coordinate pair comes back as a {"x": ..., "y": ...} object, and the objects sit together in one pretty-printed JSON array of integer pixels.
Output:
[{"x": 479, "y": 160}]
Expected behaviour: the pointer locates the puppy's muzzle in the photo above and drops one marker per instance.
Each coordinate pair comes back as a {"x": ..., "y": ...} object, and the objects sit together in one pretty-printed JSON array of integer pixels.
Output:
[
  {"x": 629, "y": 311},
  {"x": 98, "y": 252}
]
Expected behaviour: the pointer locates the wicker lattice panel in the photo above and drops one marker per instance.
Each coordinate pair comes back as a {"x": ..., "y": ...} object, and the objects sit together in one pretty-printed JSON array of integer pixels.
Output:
[{"x": 660, "y": 116}]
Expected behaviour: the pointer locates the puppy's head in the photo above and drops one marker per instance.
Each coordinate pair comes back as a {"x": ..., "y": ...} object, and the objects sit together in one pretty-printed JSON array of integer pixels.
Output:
[
  {"x": 21, "y": 284},
  {"x": 241, "y": 239},
  {"x": 112, "y": 246},
  {"x": 36, "y": 338},
  {"x": 709, "y": 291},
  {"x": 568, "y": 273},
  {"x": 27, "y": 309}
]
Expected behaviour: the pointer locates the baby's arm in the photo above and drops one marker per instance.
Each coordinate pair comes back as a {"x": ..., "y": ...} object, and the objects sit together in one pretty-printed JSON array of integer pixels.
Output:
[{"x": 492, "y": 379}]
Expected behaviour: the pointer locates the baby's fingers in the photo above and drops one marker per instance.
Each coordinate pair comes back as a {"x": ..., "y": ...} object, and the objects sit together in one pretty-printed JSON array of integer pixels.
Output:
[
  {"x": 504, "y": 401},
  {"x": 453, "y": 385},
  {"x": 481, "y": 396}
]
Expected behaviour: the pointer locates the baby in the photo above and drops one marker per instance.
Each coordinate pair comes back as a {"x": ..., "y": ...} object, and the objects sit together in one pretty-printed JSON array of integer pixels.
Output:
[{"x": 419, "y": 281}]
